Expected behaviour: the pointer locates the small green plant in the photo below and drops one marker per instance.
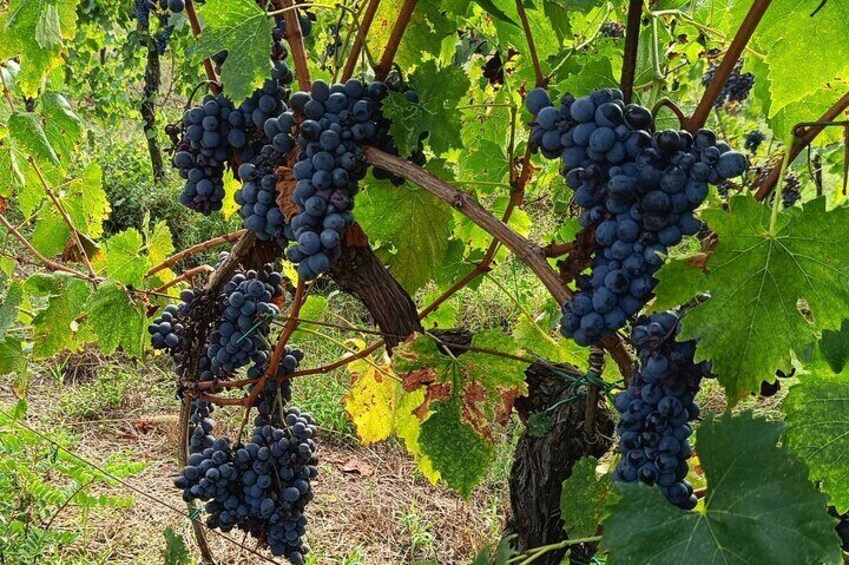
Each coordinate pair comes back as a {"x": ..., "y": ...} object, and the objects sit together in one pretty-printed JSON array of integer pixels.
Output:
[{"x": 40, "y": 481}]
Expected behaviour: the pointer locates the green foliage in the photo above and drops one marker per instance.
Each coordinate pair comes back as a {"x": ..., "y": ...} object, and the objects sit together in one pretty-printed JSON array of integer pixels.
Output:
[
  {"x": 584, "y": 497},
  {"x": 243, "y": 29},
  {"x": 817, "y": 412},
  {"x": 175, "y": 548},
  {"x": 756, "y": 277},
  {"x": 457, "y": 451},
  {"x": 38, "y": 483},
  {"x": 754, "y": 489}
]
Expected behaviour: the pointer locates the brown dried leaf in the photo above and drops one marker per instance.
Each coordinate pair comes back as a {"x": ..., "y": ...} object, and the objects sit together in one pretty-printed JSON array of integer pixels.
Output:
[
  {"x": 285, "y": 187},
  {"x": 416, "y": 379},
  {"x": 504, "y": 410},
  {"x": 474, "y": 396},
  {"x": 433, "y": 393},
  {"x": 355, "y": 465}
]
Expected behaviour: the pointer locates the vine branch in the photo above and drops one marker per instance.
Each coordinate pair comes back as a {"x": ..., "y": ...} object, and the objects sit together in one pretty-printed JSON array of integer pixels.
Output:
[
  {"x": 526, "y": 27},
  {"x": 194, "y": 22},
  {"x": 381, "y": 71},
  {"x": 191, "y": 273},
  {"x": 802, "y": 141},
  {"x": 75, "y": 235},
  {"x": 359, "y": 40},
  {"x": 194, "y": 250},
  {"x": 295, "y": 38},
  {"x": 726, "y": 66},
  {"x": 632, "y": 43},
  {"x": 527, "y": 251},
  {"x": 49, "y": 263}
]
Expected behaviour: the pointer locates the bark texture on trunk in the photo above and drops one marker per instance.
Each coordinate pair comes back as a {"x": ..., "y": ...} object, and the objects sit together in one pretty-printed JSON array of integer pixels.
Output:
[{"x": 541, "y": 464}]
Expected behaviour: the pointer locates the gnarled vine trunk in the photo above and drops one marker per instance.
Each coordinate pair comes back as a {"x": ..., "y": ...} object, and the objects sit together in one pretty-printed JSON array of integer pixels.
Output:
[{"x": 541, "y": 464}]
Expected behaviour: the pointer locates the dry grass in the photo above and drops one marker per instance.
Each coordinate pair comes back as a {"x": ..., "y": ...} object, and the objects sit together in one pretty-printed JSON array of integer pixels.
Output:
[{"x": 383, "y": 512}]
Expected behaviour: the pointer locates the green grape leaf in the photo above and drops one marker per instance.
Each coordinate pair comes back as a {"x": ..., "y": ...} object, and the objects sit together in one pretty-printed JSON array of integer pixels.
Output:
[
  {"x": 490, "y": 8},
  {"x": 488, "y": 164},
  {"x": 408, "y": 427},
  {"x": 824, "y": 56},
  {"x": 834, "y": 346},
  {"x": 416, "y": 224},
  {"x": 817, "y": 411},
  {"x": 596, "y": 72},
  {"x": 32, "y": 31},
  {"x": 116, "y": 320},
  {"x": 752, "y": 321},
  {"x": 55, "y": 328},
  {"x": 12, "y": 358},
  {"x": 494, "y": 372},
  {"x": 9, "y": 308},
  {"x": 124, "y": 261},
  {"x": 678, "y": 282},
  {"x": 440, "y": 91},
  {"x": 51, "y": 233},
  {"x": 755, "y": 489},
  {"x": 27, "y": 131},
  {"x": 243, "y": 29},
  {"x": 61, "y": 125},
  {"x": 86, "y": 201},
  {"x": 584, "y": 497},
  {"x": 11, "y": 176},
  {"x": 459, "y": 454},
  {"x": 160, "y": 245}
]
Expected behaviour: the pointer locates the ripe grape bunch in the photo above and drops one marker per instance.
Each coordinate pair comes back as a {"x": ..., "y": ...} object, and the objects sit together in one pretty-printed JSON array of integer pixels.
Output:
[
  {"x": 241, "y": 335},
  {"x": 753, "y": 140},
  {"x": 638, "y": 191},
  {"x": 335, "y": 121},
  {"x": 261, "y": 487},
  {"x": 166, "y": 330},
  {"x": 737, "y": 86},
  {"x": 656, "y": 409}
]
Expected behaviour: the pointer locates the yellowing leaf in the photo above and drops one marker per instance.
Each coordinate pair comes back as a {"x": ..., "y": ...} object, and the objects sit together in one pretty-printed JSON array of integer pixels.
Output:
[{"x": 371, "y": 402}]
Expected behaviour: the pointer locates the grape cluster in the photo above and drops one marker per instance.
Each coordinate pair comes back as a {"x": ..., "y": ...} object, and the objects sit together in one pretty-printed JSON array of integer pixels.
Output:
[
  {"x": 257, "y": 198},
  {"x": 336, "y": 119},
  {"x": 791, "y": 190},
  {"x": 656, "y": 409},
  {"x": 753, "y": 140},
  {"x": 204, "y": 150},
  {"x": 842, "y": 529},
  {"x": 240, "y": 337},
  {"x": 638, "y": 191},
  {"x": 613, "y": 30},
  {"x": 736, "y": 88},
  {"x": 165, "y": 331},
  {"x": 261, "y": 487},
  {"x": 143, "y": 12}
]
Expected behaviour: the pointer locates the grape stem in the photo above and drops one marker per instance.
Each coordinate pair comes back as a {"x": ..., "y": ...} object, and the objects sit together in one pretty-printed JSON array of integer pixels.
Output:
[
  {"x": 194, "y": 250},
  {"x": 726, "y": 66},
  {"x": 359, "y": 40},
  {"x": 295, "y": 38},
  {"x": 802, "y": 141},
  {"x": 667, "y": 103},
  {"x": 209, "y": 69},
  {"x": 381, "y": 71},
  {"x": 537, "y": 552},
  {"x": 532, "y": 48},
  {"x": 187, "y": 276},
  {"x": 554, "y": 250},
  {"x": 6, "y": 92}
]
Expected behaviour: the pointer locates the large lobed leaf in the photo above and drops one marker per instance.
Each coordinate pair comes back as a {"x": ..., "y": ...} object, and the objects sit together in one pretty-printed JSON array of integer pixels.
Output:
[
  {"x": 440, "y": 91},
  {"x": 756, "y": 279},
  {"x": 116, "y": 320},
  {"x": 817, "y": 411},
  {"x": 760, "y": 507},
  {"x": 242, "y": 29}
]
